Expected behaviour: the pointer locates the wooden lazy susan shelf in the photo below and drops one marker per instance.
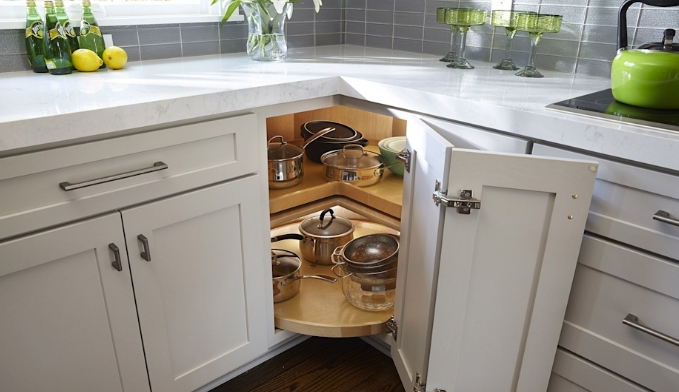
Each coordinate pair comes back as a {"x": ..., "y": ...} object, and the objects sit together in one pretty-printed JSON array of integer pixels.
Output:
[
  {"x": 320, "y": 309},
  {"x": 385, "y": 196}
]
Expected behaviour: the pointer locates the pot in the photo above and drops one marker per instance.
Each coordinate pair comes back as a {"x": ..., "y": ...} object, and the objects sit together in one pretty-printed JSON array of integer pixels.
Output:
[
  {"x": 320, "y": 237},
  {"x": 646, "y": 76},
  {"x": 372, "y": 253},
  {"x": 355, "y": 165},
  {"x": 335, "y": 140},
  {"x": 286, "y": 161},
  {"x": 285, "y": 267}
]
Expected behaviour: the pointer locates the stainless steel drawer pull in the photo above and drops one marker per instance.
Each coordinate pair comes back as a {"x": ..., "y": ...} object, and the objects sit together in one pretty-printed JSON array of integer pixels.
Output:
[
  {"x": 633, "y": 321},
  {"x": 117, "y": 263},
  {"x": 158, "y": 166},
  {"x": 665, "y": 217},
  {"x": 146, "y": 254}
]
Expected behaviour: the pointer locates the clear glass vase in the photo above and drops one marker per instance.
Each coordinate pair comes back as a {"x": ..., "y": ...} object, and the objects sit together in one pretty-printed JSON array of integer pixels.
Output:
[{"x": 266, "y": 38}]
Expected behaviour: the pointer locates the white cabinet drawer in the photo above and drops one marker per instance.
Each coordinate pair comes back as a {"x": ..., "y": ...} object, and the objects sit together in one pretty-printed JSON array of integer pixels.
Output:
[
  {"x": 625, "y": 201},
  {"x": 612, "y": 281},
  {"x": 573, "y": 374},
  {"x": 195, "y": 155}
]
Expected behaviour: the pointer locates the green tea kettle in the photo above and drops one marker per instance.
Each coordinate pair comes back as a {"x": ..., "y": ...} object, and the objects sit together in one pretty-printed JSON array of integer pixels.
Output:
[{"x": 647, "y": 76}]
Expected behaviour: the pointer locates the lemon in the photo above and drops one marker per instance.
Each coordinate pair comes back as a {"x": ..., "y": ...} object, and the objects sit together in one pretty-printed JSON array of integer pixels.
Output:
[
  {"x": 86, "y": 60},
  {"x": 115, "y": 57}
]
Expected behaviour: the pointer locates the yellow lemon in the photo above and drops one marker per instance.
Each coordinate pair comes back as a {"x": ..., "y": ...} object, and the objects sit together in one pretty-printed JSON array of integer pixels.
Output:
[
  {"x": 115, "y": 57},
  {"x": 86, "y": 60}
]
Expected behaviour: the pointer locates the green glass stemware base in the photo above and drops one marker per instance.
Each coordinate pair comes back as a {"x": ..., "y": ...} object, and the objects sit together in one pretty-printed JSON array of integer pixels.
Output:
[
  {"x": 506, "y": 65},
  {"x": 530, "y": 72},
  {"x": 460, "y": 63},
  {"x": 449, "y": 58}
]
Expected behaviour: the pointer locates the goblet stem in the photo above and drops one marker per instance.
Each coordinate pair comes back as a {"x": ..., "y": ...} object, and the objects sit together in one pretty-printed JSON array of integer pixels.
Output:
[
  {"x": 463, "y": 42},
  {"x": 530, "y": 71},
  {"x": 452, "y": 55},
  {"x": 506, "y": 64},
  {"x": 460, "y": 62}
]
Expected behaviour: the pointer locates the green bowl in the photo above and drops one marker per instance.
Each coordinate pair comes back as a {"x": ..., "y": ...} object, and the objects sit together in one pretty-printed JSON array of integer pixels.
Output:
[{"x": 389, "y": 148}]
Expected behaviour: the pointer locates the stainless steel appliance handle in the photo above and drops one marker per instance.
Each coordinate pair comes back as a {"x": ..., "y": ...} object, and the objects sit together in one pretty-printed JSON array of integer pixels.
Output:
[
  {"x": 146, "y": 254},
  {"x": 633, "y": 321},
  {"x": 664, "y": 217},
  {"x": 117, "y": 262},
  {"x": 158, "y": 166}
]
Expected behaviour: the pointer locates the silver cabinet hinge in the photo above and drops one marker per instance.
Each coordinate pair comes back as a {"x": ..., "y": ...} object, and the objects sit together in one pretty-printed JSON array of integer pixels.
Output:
[
  {"x": 464, "y": 204},
  {"x": 392, "y": 327},
  {"x": 404, "y": 156},
  {"x": 419, "y": 386}
]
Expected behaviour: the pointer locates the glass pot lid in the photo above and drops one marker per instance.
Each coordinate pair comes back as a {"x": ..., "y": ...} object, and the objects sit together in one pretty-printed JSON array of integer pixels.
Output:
[
  {"x": 326, "y": 227},
  {"x": 278, "y": 151},
  {"x": 353, "y": 157}
]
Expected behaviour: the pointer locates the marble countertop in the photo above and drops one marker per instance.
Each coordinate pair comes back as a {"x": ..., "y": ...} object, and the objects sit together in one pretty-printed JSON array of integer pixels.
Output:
[{"x": 38, "y": 110}]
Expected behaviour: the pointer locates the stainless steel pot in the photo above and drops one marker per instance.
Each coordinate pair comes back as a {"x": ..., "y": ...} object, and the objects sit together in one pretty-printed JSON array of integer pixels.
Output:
[
  {"x": 368, "y": 254},
  {"x": 355, "y": 165},
  {"x": 286, "y": 161},
  {"x": 321, "y": 236},
  {"x": 285, "y": 267}
]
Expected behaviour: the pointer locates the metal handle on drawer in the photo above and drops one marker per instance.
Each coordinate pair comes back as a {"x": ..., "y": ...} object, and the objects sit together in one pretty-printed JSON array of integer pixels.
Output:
[
  {"x": 117, "y": 263},
  {"x": 664, "y": 216},
  {"x": 158, "y": 166},
  {"x": 146, "y": 254},
  {"x": 633, "y": 321}
]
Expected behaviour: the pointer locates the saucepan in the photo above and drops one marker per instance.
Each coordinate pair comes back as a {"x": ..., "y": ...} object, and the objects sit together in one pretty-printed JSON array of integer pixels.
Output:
[
  {"x": 354, "y": 165},
  {"x": 286, "y": 161},
  {"x": 321, "y": 236},
  {"x": 285, "y": 266}
]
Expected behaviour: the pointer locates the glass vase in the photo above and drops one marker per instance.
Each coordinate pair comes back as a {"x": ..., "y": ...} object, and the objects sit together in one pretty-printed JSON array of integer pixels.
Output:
[{"x": 266, "y": 37}]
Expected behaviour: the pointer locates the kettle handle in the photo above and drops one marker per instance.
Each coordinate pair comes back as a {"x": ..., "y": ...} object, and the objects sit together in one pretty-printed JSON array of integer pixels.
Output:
[{"x": 622, "y": 16}]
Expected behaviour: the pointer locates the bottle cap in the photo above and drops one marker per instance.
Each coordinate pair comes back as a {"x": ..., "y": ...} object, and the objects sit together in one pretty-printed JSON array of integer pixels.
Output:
[
  {"x": 30, "y": 3},
  {"x": 86, "y": 3},
  {"x": 59, "y": 3},
  {"x": 49, "y": 4}
]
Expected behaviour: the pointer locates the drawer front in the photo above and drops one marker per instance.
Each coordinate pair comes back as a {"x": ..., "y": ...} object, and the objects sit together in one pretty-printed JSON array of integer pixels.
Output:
[
  {"x": 573, "y": 374},
  {"x": 625, "y": 200},
  {"x": 195, "y": 155},
  {"x": 607, "y": 287}
]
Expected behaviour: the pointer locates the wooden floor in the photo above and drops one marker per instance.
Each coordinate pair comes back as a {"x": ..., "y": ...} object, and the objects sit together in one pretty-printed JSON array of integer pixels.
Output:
[{"x": 321, "y": 365}]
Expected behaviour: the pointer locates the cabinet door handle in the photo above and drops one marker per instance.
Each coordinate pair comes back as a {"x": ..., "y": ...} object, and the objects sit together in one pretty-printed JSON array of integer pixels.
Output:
[
  {"x": 146, "y": 254},
  {"x": 664, "y": 216},
  {"x": 67, "y": 186},
  {"x": 633, "y": 321},
  {"x": 117, "y": 263}
]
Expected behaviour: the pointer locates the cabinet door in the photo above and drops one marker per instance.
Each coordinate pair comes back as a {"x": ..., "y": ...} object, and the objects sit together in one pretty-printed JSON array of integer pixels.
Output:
[
  {"x": 200, "y": 283},
  {"x": 68, "y": 317},
  {"x": 481, "y": 297}
]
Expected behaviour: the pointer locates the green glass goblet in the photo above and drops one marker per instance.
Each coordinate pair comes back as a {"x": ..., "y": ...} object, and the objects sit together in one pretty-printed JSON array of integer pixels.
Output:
[
  {"x": 536, "y": 25},
  {"x": 454, "y": 34},
  {"x": 464, "y": 18},
  {"x": 507, "y": 19}
]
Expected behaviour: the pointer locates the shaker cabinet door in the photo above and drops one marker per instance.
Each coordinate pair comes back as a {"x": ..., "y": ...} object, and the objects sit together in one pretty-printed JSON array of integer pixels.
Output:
[
  {"x": 197, "y": 268},
  {"x": 67, "y": 316},
  {"x": 499, "y": 276}
]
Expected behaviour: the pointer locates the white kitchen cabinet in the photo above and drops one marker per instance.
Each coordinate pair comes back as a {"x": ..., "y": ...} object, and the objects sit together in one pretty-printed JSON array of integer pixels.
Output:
[
  {"x": 480, "y": 297},
  {"x": 199, "y": 283},
  {"x": 68, "y": 320}
]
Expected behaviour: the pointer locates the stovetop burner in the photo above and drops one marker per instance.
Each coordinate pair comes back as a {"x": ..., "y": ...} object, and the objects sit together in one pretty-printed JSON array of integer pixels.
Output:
[{"x": 602, "y": 105}]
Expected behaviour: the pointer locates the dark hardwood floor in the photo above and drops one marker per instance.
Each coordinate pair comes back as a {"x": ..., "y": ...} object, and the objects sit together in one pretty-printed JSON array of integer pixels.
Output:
[{"x": 321, "y": 365}]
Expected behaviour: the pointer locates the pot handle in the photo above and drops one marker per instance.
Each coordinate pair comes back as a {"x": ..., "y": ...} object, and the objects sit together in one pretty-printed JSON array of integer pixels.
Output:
[
  {"x": 292, "y": 236},
  {"x": 332, "y": 217},
  {"x": 352, "y": 147},
  {"x": 282, "y": 142},
  {"x": 338, "y": 274},
  {"x": 622, "y": 16},
  {"x": 317, "y": 135},
  {"x": 325, "y": 278},
  {"x": 337, "y": 253}
]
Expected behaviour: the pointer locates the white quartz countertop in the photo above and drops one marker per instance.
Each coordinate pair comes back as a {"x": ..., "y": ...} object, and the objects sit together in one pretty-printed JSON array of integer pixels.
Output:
[{"x": 38, "y": 110}]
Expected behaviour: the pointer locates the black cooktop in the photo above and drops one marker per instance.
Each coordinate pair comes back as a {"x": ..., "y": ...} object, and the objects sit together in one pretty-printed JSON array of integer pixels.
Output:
[{"x": 602, "y": 105}]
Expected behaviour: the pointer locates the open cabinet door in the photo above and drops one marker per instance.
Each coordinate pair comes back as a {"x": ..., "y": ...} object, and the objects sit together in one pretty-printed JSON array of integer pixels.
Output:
[
  {"x": 418, "y": 254},
  {"x": 480, "y": 301}
]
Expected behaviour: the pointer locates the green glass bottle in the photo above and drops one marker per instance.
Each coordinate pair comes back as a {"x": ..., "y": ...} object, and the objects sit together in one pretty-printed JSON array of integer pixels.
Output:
[
  {"x": 35, "y": 32},
  {"x": 90, "y": 35},
  {"x": 62, "y": 17},
  {"x": 57, "y": 50}
]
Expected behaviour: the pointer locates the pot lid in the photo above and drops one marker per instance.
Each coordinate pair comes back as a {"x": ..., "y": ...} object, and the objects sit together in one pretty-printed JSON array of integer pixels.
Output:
[
  {"x": 352, "y": 157},
  {"x": 394, "y": 144},
  {"x": 341, "y": 133},
  {"x": 284, "y": 262},
  {"x": 326, "y": 226},
  {"x": 281, "y": 150}
]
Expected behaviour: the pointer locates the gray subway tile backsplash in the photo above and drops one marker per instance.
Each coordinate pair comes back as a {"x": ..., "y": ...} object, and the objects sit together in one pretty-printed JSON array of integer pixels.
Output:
[{"x": 586, "y": 43}]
